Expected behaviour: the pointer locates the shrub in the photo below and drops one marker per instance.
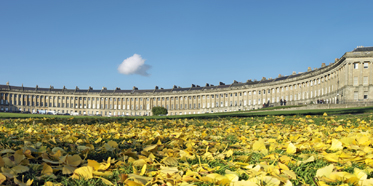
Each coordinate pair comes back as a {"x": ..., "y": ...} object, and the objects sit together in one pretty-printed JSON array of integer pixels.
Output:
[{"x": 159, "y": 111}]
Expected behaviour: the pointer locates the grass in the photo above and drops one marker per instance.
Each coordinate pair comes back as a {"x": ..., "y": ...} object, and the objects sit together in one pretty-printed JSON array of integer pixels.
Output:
[{"x": 251, "y": 113}]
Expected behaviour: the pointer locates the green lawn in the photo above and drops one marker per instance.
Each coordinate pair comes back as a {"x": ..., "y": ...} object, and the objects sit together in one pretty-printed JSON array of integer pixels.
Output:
[{"x": 251, "y": 113}]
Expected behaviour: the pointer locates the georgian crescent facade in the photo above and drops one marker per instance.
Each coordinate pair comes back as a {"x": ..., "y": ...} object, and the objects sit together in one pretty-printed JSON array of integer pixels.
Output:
[{"x": 348, "y": 80}]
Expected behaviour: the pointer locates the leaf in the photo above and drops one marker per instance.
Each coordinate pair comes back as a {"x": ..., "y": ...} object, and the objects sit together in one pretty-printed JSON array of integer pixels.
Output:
[
  {"x": 94, "y": 164},
  {"x": 229, "y": 153},
  {"x": 288, "y": 183},
  {"x": 243, "y": 183},
  {"x": 74, "y": 160},
  {"x": 9, "y": 173},
  {"x": 2, "y": 163},
  {"x": 232, "y": 177},
  {"x": 7, "y": 151},
  {"x": 83, "y": 172},
  {"x": 269, "y": 180},
  {"x": 340, "y": 176},
  {"x": 186, "y": 155},
  {"x": 106, "y": 173},
  {"x": 47, "y": 170},
  {"x": 325, "y": 171},
  {"x": 20, "y": 183},
  {"x": 57, "y": 155},
  {"x": 2, "y": 178},
  {"x": 107, "y": 147},
  {"x": 310, "y": 159},
  {"x": 20, "y": 169},
  {"x": 332, "y": 157},
  {"x": 150, "y": 147},
  {"x": 105, "y": 165},
  {"x": 132, "y": 183},
  {"x": 336, "y": 145},
  {"x": 122, "y": 178},
  {"x": 143, "y": 170},
  {"x": 105, "y": 181},
  {"x": 67, "y": 169},
  {"x": 291, "y": 149},
  {"x": 169, "y": 170},
  {"x": 98, "y": 140},
  {"x": 139, "y": 163},
  {"x": 83, "y": 148},
  {"x": 290, "y": 173},
  {"x": 113, "y": 144},
  {"x": 142, "y": 179},
  {"x": 55, "y": 149},
  {"x": 18, "y": 156},
  {"x": 50, "y": 161},
  {"x": 282, "y": 166},
  {"x": 260, "y": 146},
  {"x": 8, "y": 162},
  {"x": 360, "y": 174},
  {"x": 170, "y": 161},
  {"x": 217, "y": 178}
]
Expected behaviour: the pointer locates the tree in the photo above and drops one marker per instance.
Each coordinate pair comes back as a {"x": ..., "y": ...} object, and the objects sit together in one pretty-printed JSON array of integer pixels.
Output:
[{"x": 159, "y": 111}]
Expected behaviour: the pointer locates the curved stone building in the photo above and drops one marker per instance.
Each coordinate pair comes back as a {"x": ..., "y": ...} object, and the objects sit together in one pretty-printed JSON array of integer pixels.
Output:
[{"x": 348, "y": 80}]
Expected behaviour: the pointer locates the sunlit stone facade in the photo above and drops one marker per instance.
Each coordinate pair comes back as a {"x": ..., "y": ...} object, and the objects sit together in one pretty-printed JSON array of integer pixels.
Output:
[{"x": 349, "y": 79}]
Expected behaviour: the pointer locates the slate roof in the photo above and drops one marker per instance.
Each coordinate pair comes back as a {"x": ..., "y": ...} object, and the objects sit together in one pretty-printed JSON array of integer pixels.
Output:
[{"x": 363, "y": 49}]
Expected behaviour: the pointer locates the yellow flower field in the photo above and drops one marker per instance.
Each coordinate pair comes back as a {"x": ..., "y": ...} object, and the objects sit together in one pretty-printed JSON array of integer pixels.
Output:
[{"x": 273, "y": 150}]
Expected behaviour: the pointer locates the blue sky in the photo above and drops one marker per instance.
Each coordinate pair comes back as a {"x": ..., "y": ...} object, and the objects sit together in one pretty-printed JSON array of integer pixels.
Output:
[{"x": 82, "y": 43}]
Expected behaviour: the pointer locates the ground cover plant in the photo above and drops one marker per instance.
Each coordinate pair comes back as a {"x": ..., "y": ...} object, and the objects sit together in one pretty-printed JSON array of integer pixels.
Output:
[{"x": 271, "y": 150}]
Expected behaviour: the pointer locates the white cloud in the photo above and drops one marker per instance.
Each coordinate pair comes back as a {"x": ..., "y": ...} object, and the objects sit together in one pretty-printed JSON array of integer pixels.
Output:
[{"x": 134, "y": 65}]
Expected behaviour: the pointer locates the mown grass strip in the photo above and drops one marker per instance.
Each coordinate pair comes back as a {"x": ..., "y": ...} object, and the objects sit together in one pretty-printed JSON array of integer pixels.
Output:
[{"x": 252, "y": 113}]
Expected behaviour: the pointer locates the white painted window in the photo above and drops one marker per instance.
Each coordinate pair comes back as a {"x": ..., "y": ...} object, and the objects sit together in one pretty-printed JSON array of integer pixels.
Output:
[
  {"x": 356, "y": 95},
  {"x": 365, "y": 65},
  {"x": 244, "y": 102},
  {"x": 365, "y": 80},
  {"x": 356, "y": 81},
  {"x": 356, "y": 65}
]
